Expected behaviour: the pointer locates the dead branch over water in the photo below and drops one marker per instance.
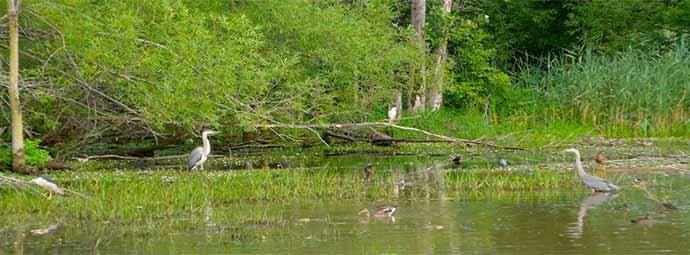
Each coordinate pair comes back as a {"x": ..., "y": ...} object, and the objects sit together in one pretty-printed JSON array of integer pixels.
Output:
[{"x": 439, "y": 137}]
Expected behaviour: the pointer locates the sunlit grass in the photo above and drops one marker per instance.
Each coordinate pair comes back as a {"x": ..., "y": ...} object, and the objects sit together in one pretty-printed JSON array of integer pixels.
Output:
[{"x": 131, "y": 196}]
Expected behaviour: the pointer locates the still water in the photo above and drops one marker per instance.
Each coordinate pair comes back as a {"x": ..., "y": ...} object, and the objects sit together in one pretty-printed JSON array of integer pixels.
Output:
[
  {"x": 563, "y": 222},
  {"x": 588, "y": 225}
]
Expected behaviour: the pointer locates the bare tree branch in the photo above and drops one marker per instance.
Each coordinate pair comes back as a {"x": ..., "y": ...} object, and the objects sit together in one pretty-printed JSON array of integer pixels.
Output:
[{"x": 385, "y": 124}]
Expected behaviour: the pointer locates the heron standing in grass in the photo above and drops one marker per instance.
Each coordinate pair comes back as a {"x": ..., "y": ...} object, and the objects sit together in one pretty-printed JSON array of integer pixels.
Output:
[
  {"x": 392, "y": 114},
  {"x": 596, "y": 184},
  {"x": 200, "y": 154},
  {"x": 49, "y": 185}
]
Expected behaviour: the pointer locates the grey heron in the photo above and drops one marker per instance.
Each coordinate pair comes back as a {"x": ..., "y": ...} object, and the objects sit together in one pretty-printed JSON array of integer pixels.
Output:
[
  {"x": 49, "y": 185},
  {"x": 392, "y": 114},
  {"x": 200, "y": 154},
  {"x": 595, "y": 183}
]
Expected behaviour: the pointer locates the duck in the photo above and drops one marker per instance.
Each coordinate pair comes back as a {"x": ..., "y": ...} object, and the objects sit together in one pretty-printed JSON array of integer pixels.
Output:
[
  {"x": 368, "y": 172},
  {"x": 379, "y": 212}
]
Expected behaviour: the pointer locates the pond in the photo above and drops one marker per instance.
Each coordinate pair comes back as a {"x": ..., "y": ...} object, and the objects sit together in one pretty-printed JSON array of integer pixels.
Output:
[{"x": 434, "y": 215}]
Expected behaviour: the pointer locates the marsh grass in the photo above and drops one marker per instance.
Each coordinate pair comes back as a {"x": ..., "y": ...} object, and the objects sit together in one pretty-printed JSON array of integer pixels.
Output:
[
  {"x": 633, "y": 93},
  {"x": 520, "y": 128},
  {"x": 135, "y": 196}
]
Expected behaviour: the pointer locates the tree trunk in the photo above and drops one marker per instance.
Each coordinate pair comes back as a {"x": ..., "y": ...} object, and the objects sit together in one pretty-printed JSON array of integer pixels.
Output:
[
  {"x": 418, "y": 21},
  {"x": 15, "y": 107},
  {"x": 435, "y": 95}
]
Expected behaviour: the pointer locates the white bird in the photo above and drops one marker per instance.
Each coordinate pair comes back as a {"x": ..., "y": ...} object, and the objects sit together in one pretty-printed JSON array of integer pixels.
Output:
[
  {"x": 200, "y": 154},
  {"x": 49, "y": 185},
  {"x": 392, "y": 114},
  {"x": 503, "y": 163}
]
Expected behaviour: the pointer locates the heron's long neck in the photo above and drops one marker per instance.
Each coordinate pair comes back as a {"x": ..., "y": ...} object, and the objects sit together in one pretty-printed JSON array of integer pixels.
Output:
[
  {"x": 207, "y": 144},
  {"x": 578, "y": 165}
]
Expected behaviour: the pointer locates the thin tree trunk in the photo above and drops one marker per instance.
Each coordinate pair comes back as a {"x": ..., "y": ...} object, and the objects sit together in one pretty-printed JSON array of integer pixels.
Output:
[
  {"x": 418, "y": 21},
  {"x": 15, "y": 107},
  {"x": 435, "y": 99}
]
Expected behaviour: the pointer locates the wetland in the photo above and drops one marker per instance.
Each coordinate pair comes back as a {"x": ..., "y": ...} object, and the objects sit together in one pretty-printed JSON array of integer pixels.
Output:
[{"x": 306, "y": 201}]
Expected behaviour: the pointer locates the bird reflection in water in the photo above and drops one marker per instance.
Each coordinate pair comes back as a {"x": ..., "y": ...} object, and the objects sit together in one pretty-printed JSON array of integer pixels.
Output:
[{"x": 575, "y": 230}]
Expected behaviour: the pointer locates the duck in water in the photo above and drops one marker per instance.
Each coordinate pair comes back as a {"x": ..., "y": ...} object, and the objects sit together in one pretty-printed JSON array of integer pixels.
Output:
[{"x": 380, "y": 212}]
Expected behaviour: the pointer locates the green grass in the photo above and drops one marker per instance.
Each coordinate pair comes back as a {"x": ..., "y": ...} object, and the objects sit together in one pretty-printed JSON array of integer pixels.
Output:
[
  {"x": 129, "y": 196},
  {"x": 632, "y": 94},
  {"x": 514, "y": 130}
]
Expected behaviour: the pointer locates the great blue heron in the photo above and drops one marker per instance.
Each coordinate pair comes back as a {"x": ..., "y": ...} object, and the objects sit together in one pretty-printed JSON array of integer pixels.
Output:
[
  {"x": 392, "y": 114},
  {"x": 595, "y": 183},
  {"x": 200, "y": 154}
]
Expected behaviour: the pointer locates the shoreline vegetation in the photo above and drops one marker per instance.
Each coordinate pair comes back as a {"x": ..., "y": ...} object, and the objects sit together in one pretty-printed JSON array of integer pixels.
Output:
[
  {"x": 119, "y": 191},
  {"x": 483, "y": 80},
  {"x": 143, "y": 82}
]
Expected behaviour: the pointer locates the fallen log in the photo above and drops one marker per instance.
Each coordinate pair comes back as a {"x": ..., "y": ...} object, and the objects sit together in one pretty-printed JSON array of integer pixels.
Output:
[{"x": 385, "y": 124}]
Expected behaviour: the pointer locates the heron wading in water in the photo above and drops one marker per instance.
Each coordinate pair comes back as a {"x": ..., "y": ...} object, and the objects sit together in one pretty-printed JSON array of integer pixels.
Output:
[
  {"x": 200, "y": 154},
  {"x": 594, "y": 183}
]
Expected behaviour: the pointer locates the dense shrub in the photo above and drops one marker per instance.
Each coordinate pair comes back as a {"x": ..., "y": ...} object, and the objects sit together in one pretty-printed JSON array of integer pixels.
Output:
[
  {"x": 35, "y": 155},
  {"x": 169, "y": 66}
]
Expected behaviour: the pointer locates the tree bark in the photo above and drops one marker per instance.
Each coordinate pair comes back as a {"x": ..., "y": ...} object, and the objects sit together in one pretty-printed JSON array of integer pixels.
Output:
[
  {"x": 435, "y": 94},
  {"x": 418, "y": 21},
  {"x": 18, "y": 162}
]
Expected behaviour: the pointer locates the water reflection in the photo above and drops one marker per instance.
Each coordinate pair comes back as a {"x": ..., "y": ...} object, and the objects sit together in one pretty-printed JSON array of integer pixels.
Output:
[{"x": 596, "y": 199}]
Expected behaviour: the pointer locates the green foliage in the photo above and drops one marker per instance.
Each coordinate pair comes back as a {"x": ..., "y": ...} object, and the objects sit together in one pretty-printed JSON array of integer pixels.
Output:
[
  {"x": 35, "y": 155},
  {"x": 131, "y": 69},
  {"x": 617, "y": 25},
  {"x": 178, "y": 65},
  {"x": 475, "y": 80},
  {"x": 527, "y": 28}
]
